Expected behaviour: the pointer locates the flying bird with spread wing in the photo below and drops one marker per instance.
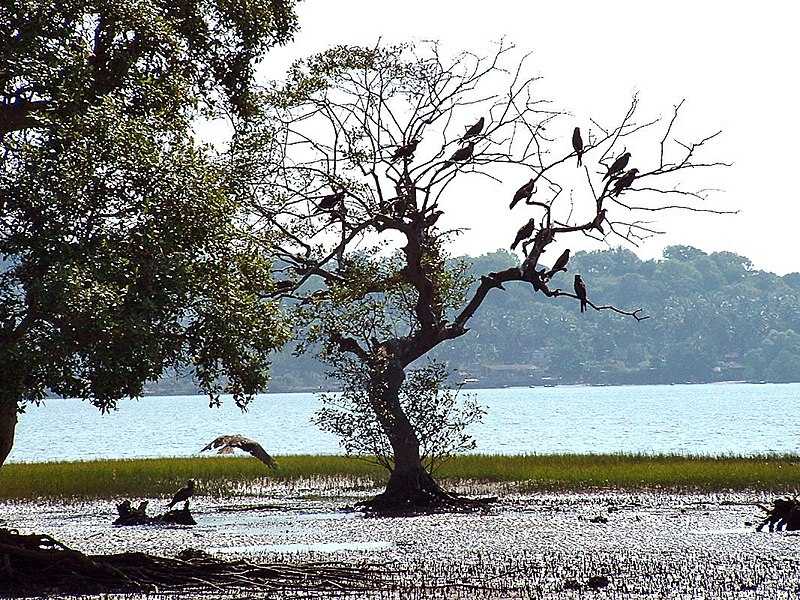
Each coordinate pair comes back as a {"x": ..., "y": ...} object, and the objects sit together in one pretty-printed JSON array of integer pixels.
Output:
[
  {"x": 525, "y": 192},
  {"x": 474, "y": 130},
  {"x": 577, "y": 144},
  {"x": 618, "y": 165},
  {"x": 524, "y": 233},
  {"x": 580, "y": 292},
  {"x": 227, "y": 443}
]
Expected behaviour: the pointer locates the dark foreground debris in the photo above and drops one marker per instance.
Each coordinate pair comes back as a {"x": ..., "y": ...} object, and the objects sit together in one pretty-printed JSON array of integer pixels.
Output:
[
  {"x": 138, "y": 516},
  {"x": 784, "y": 514},
  {"x": 38, "y": 565}
]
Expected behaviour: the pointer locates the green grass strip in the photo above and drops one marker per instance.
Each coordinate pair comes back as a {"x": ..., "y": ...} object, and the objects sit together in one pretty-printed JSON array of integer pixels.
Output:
[{"x": 220, "y": 476}]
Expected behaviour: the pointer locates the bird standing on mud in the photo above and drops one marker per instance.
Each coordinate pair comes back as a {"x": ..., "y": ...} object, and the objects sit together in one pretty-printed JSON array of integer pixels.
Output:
[
  {"x": 560, "y": 265},
  {"x": 618, "y": 165},
  {"x": 577, "y": 144},
  {"x": 183, "y": 494},
  {"x": 525, "y": 192},
  {"x": 580, "y": 292},
  {"x": 524, "y": 233},
  {"x": 474, "y": 130}
]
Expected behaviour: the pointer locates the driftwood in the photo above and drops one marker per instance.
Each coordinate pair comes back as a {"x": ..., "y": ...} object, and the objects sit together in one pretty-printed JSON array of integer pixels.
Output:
[
  {"x": 784, "y": 514},
  {"x": 38, "y": 565},
  {"x": 138, "y": 516}
]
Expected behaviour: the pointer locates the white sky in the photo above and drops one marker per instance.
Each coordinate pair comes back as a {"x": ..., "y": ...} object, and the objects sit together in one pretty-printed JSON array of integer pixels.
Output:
[{"x": 732, "y": 61}]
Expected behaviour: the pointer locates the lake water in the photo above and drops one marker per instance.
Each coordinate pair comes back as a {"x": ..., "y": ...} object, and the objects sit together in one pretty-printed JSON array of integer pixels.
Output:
[{"x": 689, "y": 419}]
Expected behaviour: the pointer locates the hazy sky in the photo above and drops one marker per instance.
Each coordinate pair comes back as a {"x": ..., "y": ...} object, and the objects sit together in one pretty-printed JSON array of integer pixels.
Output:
[{"x": 734, "y": 62}]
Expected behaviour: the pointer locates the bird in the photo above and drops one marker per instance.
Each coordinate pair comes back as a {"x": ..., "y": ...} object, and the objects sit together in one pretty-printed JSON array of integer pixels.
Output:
[
  {"x": 183, "y": 494},
  {"x": 580, "y": 291},
  {"x": 598, "y": 221},
  {"x": 430, "y": 220},
  {"x": 474, "y": 130},
  {"x": 406, "y": 150},
  {"x": 227, "y": 443},
  {"x": 524, "y": 232},
  {"x": 462, "y": 154},
  {"x": 331, "y": 200},
  {"x": 625, "y": 181},
  {"x": 525, "y": 192},
  {"x": 618, "y": 165},
  {"x": 560, "y": 265},
  {"x": 577, "y": 144}
]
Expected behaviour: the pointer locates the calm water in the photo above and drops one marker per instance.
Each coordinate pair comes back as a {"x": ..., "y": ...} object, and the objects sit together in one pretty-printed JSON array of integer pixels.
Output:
[{"x": 703, "y": 419}]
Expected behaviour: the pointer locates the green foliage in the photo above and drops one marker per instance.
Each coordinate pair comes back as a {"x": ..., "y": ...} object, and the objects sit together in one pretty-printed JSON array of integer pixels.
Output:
[
  {"x": 439, "y": 416},
  {"x": 121, "y": 235}
]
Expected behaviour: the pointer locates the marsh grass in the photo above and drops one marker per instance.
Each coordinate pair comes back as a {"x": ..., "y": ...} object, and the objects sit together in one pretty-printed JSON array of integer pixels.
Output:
[{"x": 219, "y": 476}]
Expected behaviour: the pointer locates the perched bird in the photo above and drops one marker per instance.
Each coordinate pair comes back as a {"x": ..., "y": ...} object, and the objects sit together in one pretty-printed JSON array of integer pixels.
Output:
[
  {"x": 577, "y": 144},
  {"x": 474, "y": 130},
  {"x": 524, "y": 232},
  {"x": 560, "y": 265},
  {"x": 598, "y": 221},
  {"x": 618, "y": 165},
  {"x": 430, "y": 220},
  {"x": 406, "y": 150},
  {"x": 227, "y": 443},
  {"x": 462, "y": 154},
  {"x": 525, "y": 192},
  {"x": 183, "y": 494},
  {"x": 331, "y": 200},
  {"x": 625, "y": 181},
  {"x": 580, "y": 291}
]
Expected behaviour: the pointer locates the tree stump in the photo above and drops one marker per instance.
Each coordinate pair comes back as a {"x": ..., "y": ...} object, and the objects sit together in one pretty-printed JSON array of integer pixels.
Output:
[{"x": 138, "y": 516}]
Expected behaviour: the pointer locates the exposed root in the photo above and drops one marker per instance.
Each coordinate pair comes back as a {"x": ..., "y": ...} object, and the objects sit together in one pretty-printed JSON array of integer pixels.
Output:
[
  {"x": 784, "y": 514},
  {"x": 425, "y": 496},
  {"x": 40, "y": 565}
]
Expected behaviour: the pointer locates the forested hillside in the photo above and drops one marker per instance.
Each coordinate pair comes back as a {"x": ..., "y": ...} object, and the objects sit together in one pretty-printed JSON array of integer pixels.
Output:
[{"x": 713, "y": 317}]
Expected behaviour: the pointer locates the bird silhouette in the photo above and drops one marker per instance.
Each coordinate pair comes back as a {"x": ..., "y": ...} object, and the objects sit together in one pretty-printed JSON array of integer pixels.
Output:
[
  {"x": 618, "y": 165},
  {"x": 227, "y": 443},
  {"x": 331, "y": 200},
  {"x": 560, "y": 264},
  {"x": 183, "y": 494},
  {"x": 580, "y": 292},
  {"x": 598, "y": 221},
  {"x": 525, "y": 192},
  {"x": 406, "y": 150},
  {"x": 524, "y": 232},
  {"x": 625, "y": 181},
  {"x": 577, "y": 144},
  {"x": 462, "y": 154},
  {"x": 474, "y": 130}
]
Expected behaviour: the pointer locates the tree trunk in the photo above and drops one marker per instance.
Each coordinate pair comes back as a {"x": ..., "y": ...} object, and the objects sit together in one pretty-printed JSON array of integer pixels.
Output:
[
  {"x": 8, "y": 423},
  {"x": 410, "y": 486}
]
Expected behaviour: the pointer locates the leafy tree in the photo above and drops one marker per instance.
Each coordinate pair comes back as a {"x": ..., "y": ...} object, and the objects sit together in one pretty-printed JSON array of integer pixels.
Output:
[
  {"x": 361, "y": 157},
  {"x": 120, "y": 234}
]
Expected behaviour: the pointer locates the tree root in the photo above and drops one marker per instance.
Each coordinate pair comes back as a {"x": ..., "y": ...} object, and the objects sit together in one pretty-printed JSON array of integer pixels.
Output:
[
  {"x": 40, "y": 565},
  {"x": 784, "y": 514},
  {"x": 427, "y": 497}
]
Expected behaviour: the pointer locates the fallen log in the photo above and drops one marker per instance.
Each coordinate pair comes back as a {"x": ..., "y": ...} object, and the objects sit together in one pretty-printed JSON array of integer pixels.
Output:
[{"x": 25, "y": 558}]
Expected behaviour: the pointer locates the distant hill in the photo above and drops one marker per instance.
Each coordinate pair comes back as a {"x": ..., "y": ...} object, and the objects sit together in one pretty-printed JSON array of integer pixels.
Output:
[{"x": 713, "y": 318}]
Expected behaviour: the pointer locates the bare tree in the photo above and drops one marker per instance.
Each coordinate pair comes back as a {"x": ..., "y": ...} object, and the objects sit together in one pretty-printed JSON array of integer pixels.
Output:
[{"x": 356, "y": 165}]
